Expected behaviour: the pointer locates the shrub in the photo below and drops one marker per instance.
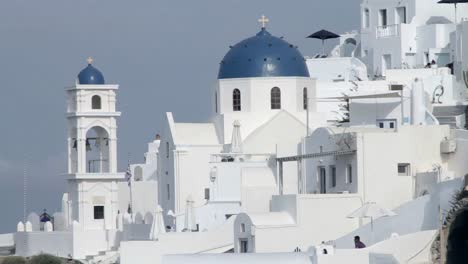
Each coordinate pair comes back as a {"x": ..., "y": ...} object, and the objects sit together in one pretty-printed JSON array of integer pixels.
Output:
[
  {"x": 14, "y": 260},
  {"x": 45, "y": 259}
]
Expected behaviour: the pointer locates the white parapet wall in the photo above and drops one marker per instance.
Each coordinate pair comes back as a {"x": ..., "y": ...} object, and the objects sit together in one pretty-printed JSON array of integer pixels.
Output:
[
  {"x": 77, "y": 244},
  {"x": 151, "y": 252}
]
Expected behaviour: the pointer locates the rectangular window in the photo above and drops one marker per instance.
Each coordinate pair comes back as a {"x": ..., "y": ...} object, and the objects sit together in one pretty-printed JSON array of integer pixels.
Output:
[
  {"x": 244, "y": 246},
  {"x": 243, "y": 228},
  {"x": 400, "y": 13},
  {"x": 168, "y": 191},
  {"x": 323, "y": 179},
  {"x": 404, "y": 169},
  {"x": 366, "y": 18},
  {"x": 383, "y": 17},
  {"x": 333, "y": 176},
  {"x": 98, "y": 212},
  {"x": 349, "y": 174}
]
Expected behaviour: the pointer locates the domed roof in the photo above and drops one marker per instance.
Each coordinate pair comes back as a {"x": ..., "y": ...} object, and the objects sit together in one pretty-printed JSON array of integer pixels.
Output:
[
  {"x": 263, "y": 55},
  {"x": 90, "y": 75}
]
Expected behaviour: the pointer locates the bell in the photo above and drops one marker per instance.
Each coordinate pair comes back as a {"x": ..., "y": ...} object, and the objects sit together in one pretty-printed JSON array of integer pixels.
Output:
[
  {"x": 97, "y": 143},
  {"x": 88, "y": 146}
]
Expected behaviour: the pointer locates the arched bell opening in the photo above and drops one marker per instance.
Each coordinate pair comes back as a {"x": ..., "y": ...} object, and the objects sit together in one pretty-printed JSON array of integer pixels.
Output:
[{"x": 97, "y": 150}]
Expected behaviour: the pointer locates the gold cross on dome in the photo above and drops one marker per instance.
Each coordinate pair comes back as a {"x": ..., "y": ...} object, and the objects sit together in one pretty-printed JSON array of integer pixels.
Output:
[
  {"x": 263, "y": 20},
  {"x": 89, "y": 60}
]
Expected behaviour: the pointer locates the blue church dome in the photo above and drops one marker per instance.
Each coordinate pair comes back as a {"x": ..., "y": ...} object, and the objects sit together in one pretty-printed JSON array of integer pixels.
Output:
[
  {"x": 90, "y": 75},
  {"x": 263, "y": 55}
]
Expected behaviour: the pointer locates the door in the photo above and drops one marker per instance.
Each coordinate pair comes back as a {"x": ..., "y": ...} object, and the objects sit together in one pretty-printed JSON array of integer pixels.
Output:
[
  {"x": 386, "y": 63},
  {"x": 410, "y": 60},
  {"x": 323, "y": 180}
]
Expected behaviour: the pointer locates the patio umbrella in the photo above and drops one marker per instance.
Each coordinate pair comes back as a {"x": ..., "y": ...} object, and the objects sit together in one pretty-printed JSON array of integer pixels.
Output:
[
  {"x": 157, "y": 227},
  {"x": 236, "y": 141},
  {"x": 323, "y": 35},
  {"x": 373, "y": 211},
  {"x": 454, "y": 2}
]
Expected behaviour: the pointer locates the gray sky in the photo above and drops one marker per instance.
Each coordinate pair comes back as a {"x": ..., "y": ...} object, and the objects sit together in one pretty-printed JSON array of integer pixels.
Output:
[{"x": 164, "y": 55}]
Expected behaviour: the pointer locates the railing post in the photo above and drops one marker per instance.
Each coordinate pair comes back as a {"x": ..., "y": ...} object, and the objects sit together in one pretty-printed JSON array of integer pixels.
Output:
[{"x": 280, "y": 177}]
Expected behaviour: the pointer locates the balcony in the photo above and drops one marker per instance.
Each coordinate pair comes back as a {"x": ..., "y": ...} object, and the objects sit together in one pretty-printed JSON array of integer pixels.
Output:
[{"x": 388, "y": 31}]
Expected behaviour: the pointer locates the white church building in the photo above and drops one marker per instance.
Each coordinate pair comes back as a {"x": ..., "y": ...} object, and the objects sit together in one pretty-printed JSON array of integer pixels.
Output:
[{"x": 294, "y": 145}]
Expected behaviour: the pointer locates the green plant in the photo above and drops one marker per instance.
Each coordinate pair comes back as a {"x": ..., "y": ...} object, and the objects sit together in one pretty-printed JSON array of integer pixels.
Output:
[
  {"x": 45, "y": 259},
  {"x": 14, "y": 260}
]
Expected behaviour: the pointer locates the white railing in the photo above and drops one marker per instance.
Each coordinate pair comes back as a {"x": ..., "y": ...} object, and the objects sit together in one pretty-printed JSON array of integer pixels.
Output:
[
  {"x": 388, "y": 31},
  {"x": 241, "y": 157}
]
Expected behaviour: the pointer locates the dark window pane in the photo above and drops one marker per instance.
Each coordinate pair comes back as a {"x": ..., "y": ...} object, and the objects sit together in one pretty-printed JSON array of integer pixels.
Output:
[{"x": 99, "y": 212}]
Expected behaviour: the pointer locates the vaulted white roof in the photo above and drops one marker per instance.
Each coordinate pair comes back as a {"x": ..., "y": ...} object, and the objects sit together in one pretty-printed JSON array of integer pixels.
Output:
[{"x": 196, "y": 134}]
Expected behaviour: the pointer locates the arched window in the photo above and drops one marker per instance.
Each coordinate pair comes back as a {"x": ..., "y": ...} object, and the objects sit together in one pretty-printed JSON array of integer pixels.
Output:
[
  {"x": 305, "y": 98},
  {"x": 96, "y": 102},
  {"x": 138, "y": 173},
  {"x": 236, "y": 100},
  {"x": 275, "y": 98}
]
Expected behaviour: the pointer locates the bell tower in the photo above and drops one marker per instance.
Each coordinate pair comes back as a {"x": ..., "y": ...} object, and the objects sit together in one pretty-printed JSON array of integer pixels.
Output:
[{"x": 92, "y": 151}]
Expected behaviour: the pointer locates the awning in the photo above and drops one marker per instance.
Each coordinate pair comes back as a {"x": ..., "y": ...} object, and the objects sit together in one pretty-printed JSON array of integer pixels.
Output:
[
  {"x": 391, "y": 94},
  {"x": 316, "y": 155}
]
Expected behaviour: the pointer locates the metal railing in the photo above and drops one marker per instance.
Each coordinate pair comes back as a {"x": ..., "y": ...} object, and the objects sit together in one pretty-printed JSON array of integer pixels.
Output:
[
  {"x": 388, "y": 31},
  {"x": 241, "y": 157},
  {"x": 98, "y": 166}
]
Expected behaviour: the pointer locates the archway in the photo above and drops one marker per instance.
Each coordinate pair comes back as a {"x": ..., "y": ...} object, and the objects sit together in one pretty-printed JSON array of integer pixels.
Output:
[
  {"x": 97, "y": 150},
  {"x": 138, "y": 174},
  {"x": 349, "y": 46},
  {"x": 457, "y": 241}
]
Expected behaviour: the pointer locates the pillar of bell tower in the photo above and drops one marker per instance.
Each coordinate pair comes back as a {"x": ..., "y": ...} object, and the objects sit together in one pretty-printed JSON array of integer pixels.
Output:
[{"x": 92, "y": 150}]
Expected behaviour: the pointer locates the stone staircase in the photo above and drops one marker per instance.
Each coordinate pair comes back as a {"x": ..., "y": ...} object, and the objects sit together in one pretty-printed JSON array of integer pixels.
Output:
[
  {"x": 104, "y": 257},
  {"x": 454, "y": 116}
]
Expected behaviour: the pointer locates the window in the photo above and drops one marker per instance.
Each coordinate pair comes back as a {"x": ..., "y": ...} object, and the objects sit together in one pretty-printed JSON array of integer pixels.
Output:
[
  {"x": 404, "y": 169},
  {"x": 168, "y": 191},
  {"x": 275, "y": 98},
  {"x": 365, "y": 18},
  {"x": 243, "y": 228},
  {"x": 98, "y": 212},
  {"x": 349, "y": 174},
  {"x": 387, "y": 123},
  {"x": 383, "y": 17},
  {"x": 236, "y": 100},
  {"x": 244, "y": 246},
  {"x": 323, "y": 179},
  {"x": 400, "y": 15},
  {"x": 333, "y": 176},
  {"x": 96, "y": 102},
  {"x": 305, "y": 98},
  {"x": 138, "y": 173}
]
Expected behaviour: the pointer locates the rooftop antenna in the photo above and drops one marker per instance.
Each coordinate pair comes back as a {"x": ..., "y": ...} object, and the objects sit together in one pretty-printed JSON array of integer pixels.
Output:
[{"x": 25, "y": 188}]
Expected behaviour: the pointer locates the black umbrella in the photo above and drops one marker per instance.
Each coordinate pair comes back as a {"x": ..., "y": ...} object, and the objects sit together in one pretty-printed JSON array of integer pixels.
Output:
[
  {"x": 454, "y": 2},
  {"x": 324, "y": 35}
]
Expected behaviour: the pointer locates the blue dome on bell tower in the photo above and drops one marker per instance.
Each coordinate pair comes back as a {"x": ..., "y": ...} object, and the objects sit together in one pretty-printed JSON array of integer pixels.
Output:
[
  {"x": 90, "y": 75},
  {"x": 263, "y": 55}
]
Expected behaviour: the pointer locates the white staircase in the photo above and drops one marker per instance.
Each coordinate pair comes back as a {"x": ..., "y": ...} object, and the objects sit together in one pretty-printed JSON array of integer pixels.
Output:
[{"x": 104, "y": 257}]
